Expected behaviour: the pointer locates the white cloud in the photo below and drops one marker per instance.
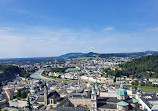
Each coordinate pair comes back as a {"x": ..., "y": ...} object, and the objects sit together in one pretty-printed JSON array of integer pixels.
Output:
[
  {"x": 108, "y": 29},
  {"x": 37, "y": 42},
  {"x": 5, "y": 29},
  {"x": 153, "y": 29}
]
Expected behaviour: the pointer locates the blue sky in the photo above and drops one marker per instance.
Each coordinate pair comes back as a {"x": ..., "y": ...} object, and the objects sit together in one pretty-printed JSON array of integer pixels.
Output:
[{"x": 38, "y": 28}]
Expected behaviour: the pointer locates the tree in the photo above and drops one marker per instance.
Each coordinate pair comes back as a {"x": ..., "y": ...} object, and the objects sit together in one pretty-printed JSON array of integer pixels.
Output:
[
  {"x": 135, "y": 83},
  {"x": 148, "y": 84},
  {"x": 23, "y": 94},
  {"x": 18, "y": 93},
  {"x": 142, "y": 83},
  {"x": 59, "y": 76}
]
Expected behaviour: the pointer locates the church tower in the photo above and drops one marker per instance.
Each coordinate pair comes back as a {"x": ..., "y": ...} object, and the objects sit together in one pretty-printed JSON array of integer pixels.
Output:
[
  {"x": 28, "y": 105},
  {"x": 45, "y": 95},
  {"x": 97, "y": 89},
  {"x": 93, "y": 100}
]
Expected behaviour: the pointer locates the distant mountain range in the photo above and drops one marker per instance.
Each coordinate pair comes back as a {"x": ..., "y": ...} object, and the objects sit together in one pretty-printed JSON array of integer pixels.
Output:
[
  {"x": 92, "y": 54},
  {"x": 71, "y": 55}
]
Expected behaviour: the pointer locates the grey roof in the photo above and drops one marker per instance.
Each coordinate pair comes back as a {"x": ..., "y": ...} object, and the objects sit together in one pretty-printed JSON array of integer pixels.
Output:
[
  {"x": 111, "y": 102},
  {"x": 40, "y": 99},
  {"x": 36, "y": 104},
  {"x": 129, "y": 100},
  {"x": 153, "y": 97},
  {"x": 108, "y": 106},
  {"x": 149, "y": 97},
  {"x": 53, "y": 94},
  {"x": 146, "y": 102},
  {"x": 68, "y": 109},
  {"x": 107, "y": 99},
  {"x": 78, "y": 95},
  {"x": 155, "y": 108}
]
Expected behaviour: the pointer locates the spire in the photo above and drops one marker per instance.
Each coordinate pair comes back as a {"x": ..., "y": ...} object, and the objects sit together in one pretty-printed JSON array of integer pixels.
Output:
[
  {"x": 121, "y": 86},
  {"x": 28, "y": 105},
  {"x": 93, "y": 99},
  {"x": 93, "y": 90},
  {"x": 45, "y": 95}
]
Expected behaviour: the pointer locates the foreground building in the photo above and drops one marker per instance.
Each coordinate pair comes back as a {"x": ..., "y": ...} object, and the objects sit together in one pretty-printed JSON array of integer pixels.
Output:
[
  {"x": 149, "y": 102},
  {"x": 94, "y": 102}
]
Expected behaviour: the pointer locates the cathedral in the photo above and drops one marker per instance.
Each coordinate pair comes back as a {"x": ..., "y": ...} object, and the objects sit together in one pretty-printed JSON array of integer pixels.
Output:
[{"x": 94, "y": 102}]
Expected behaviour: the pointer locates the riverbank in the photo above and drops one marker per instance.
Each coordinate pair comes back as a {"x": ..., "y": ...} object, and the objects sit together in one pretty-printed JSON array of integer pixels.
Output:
[
  {"x": 56, "y": 79},
  {"x": 45, "y": 77}
]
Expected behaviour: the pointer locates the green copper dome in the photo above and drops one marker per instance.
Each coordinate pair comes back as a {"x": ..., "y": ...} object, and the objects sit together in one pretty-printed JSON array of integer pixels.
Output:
[
  {"x": 122, "y": 103},
  {"x": 134, "y": 100},
  {"x": 121, "y": 92},
  {"x": 93, "y": 88}
]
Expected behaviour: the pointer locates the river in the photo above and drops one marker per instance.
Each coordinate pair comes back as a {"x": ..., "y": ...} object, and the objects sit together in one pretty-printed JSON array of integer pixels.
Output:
[{"x": 36, "y": 75}]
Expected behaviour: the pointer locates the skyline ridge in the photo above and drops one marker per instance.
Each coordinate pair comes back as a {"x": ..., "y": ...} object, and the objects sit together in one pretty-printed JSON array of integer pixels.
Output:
[{"x": 60, "y": 56}]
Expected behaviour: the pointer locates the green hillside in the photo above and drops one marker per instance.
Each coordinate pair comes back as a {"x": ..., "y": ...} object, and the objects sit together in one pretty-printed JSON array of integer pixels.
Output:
[
  {"x": 9, "y": 72},
  {"x": 107, "y": 55},
  {"x": 144, "y": 67}
]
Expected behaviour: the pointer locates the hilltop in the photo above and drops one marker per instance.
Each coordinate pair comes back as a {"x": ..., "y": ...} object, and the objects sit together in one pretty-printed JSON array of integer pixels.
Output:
[{"x": 106, "y": 55}]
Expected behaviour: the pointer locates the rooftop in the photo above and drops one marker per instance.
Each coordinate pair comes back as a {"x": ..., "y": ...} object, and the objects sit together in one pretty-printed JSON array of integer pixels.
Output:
[
  {"x": 122, "y": 103},
  {"x": 134, "y": 100},
  {"x": 121, "y": 92},
  {"x": 68, "y": 109}
]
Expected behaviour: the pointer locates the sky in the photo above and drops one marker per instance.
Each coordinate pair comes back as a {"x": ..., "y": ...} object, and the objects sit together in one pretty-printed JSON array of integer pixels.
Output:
[{"x": 46, "y": 28}]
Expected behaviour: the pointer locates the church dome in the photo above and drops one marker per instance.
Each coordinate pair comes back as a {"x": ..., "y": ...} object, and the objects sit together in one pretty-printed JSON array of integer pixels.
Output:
[{"x": 121, "y": 91}]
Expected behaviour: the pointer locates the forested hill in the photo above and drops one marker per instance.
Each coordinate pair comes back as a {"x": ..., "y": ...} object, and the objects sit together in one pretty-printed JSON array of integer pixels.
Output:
[
  {"x": 8, "y": 72},
  {"x": 107, "y": 55},
  {"x": 144, "y": 67}
]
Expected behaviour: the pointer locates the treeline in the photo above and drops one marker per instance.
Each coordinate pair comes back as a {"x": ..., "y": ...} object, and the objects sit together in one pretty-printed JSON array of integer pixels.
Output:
[
  {"x": 133, "y": 54},
  {"x": 144, "y": 67},
  {"x": 8, "y": 72},
  {"x": 58, "y": 69},
  {"x": 142, "y": 83},
  {"x": 61, "y": 70},
  {"x": 21, "y": 94}
]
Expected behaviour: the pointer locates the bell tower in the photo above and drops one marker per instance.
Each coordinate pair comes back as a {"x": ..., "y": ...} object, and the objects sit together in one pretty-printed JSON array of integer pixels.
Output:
[
  {"x": 45, "y": 95},
  {"x": 93, "y": 99},
  {"x": 97, "y": 89}
]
